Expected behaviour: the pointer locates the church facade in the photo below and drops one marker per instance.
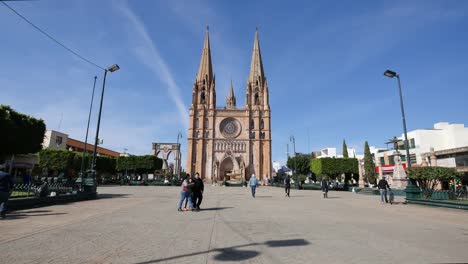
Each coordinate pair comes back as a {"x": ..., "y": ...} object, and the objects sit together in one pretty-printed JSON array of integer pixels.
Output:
[{"x": 229, "y": 142}]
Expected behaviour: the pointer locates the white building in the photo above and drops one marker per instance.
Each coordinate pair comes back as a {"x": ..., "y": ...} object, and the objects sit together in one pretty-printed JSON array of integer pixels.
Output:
[
  {"x": 331, "y": 153},
  {"x": 442, "y": 137}
]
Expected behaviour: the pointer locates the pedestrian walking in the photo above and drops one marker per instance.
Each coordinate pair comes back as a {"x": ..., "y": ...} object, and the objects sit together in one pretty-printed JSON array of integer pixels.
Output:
[
  {"x": 198, "y": 189},
  {"x": 253, "y": 182},
  {"x": 6, "y": 187},
  {"x": 287, "y": 185},
  {"x": 383, "y": 185},
  {"x": 325, "y": 187}
]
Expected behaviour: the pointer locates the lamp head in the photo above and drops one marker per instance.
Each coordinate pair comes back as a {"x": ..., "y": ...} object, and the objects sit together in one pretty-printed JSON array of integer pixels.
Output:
[
  {"x": 113, "y": 68},
  {"x": 390, "y": 73}
]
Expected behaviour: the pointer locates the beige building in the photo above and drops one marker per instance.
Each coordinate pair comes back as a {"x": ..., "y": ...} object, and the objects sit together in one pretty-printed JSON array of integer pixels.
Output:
[{"x": 229, "y": 143}]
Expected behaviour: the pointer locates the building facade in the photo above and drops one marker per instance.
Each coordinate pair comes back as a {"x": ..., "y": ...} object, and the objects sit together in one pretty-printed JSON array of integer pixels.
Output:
[
  {"x": 442, "y": 137},
  {"x": 230, "y": 142},
  {"x": 58, "y": 140}
]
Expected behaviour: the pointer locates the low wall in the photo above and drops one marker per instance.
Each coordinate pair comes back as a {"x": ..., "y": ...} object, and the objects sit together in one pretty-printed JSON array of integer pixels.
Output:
[
  {"x": 440, "y": 203},
  {"x": 33, "y": 202}
]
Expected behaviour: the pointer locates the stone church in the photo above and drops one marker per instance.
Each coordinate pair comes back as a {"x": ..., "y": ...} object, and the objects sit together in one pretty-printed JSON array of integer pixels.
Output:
[{"x": 229, "y": 142}]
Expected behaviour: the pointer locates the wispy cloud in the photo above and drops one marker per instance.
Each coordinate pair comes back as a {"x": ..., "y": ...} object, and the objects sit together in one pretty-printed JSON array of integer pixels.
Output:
[{"x": 148, "y": 53}]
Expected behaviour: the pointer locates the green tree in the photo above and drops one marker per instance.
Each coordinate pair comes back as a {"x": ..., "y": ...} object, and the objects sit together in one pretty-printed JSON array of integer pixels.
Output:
[
  {"x": 21, "y": 134},
  {"x": 300, "y": 164},
  {"x": 332, "y": 167},
  {"x": 429, "y": 177},
  {"x": 369, "y": 165},
  {"x": 345, "y": 150}
]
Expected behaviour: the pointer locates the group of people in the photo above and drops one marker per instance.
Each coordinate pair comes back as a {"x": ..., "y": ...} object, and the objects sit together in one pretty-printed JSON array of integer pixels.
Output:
[{"x": 191, "y": 193}]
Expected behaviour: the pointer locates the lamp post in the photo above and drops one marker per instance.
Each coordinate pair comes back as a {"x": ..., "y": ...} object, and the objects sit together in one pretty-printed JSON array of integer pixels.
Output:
[
  {"x": 392, "y": 74},
  {"x": 86, "y": 138},
  {"x": 179, "y": 135},
  {"x": 412, "y": 190},
  {"x": 296, "y": 183},
  {"x": 112, "y": 68}
]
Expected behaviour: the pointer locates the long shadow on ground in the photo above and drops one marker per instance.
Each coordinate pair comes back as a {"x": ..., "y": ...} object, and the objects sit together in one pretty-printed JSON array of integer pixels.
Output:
[{"x": 234, "y": 253}]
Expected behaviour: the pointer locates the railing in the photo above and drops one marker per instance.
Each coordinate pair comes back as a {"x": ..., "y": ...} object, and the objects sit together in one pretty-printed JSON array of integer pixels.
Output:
[
  {"x": 460, "y": 194},
  {"x": 22, "y": 190}
]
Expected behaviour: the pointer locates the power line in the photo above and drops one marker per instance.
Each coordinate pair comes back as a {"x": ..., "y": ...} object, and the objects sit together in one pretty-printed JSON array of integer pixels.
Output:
[{"x": 50, "y": 37}]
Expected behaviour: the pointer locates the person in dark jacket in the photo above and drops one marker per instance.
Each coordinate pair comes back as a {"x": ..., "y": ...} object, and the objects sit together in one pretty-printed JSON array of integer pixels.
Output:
[
  {"x": 325, "y": 187},
  {"x": 198, "y": 189},
  {"x": 383, "y": 186},
  {"x": 6, "y": 187},
  {"x": 287, "y": 185}
]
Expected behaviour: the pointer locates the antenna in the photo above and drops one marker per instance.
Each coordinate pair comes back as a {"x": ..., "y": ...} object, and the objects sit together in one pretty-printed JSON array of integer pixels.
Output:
[{"x": 60, "y": 122}]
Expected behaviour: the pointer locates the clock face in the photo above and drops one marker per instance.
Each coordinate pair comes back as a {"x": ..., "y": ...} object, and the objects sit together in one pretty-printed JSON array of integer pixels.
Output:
[{"x": 230, "y": 127}]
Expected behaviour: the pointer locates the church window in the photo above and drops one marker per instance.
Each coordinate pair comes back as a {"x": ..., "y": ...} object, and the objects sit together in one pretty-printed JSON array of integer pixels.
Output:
[
  {"x": 207, "y": 123},
  {"x": 202, "y": 97},
  {"x": 203, "y": 81},
  {"x": 252, "y": 124},
  {"x": 261, "y": 124},
  {"x": 196, "y": 134},
  {"x": 262, "y": 135},
  {"x": 207, "y": 134},
  {"x": 252, "y": 135},
  {"x": 196, "y": 123},
  {"x": 256, "y": 99}
]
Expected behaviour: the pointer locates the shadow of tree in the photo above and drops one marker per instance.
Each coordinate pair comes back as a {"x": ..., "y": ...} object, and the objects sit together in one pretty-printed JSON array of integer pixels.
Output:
[{"x": 234, "y": 253}]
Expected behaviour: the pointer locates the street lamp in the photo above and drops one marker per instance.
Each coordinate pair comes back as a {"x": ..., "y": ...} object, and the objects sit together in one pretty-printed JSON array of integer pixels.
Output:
[
  {"x": 412, "y": 190},
  {"x": 86, "y": 138},
  {"x": 112, "y": 68},
  {"x": 179, "y": 135},
  {"x": 296, "y": 183},
  {"x": 392, "y": 74}
]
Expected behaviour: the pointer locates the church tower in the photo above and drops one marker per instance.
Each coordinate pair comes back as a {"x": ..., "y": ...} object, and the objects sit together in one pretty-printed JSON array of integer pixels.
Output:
[
  {"x": 258, "y": 105},
  {"x": 201, "y": 113}
]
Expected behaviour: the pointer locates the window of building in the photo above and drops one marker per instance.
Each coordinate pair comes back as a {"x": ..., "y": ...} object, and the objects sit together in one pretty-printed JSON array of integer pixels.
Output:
[
  {"x": 58, "y": 140},
  {"x": 196, "y": 123},
  {"x": 382, "y": 161},
  {"x": 252, "y": 124},
  {"x": 261, "y": 124},
  {"x": 252, "y": 135},
  {"x": 256, "y": 99},
  {"x": 207, "y": 123},
  {"x": 262, "y": 135},
  {"x": 412, "y": 143},
  {"x": 196, "y": 134},
  {"x": 207, "y": 134}
]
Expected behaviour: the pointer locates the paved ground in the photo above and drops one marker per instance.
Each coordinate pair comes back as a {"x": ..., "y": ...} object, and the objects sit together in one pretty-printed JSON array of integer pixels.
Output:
[{"x": 141, "y": 225}]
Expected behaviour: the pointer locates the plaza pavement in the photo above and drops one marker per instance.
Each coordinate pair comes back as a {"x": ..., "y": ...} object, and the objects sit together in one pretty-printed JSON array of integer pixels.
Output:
[{"x": 141, "y": 225}]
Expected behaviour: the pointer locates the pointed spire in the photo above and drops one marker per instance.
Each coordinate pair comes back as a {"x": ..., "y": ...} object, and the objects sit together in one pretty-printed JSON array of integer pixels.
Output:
[
  {"x": 231, "y": 98},
  {"x": 256, "y": 65},
  {"x": 205, "y": 68}
]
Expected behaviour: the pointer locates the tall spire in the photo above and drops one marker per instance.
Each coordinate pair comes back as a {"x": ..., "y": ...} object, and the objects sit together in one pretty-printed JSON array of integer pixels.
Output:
[
  {"x": 205, "y": 69},
  {"x": 231, "y": 98},
  {"x": 256, "y": 65}
]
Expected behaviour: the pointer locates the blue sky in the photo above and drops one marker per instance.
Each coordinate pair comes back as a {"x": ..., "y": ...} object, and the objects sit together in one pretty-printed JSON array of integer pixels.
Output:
[{"x": 324, "y": 63}]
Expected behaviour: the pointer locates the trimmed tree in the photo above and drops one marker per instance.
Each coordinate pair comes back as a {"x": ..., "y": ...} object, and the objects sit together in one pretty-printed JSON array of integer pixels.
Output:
[
  {"x": 21, "y": 134},
  {"x": 345, "y": 150},
  {"x": 333, "y": 167},
  {"x": 369, "y": 165}
]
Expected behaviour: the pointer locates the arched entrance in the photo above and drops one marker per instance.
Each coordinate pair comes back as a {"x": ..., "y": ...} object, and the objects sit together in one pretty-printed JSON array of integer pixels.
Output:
[{"x": 229, "y": 169}]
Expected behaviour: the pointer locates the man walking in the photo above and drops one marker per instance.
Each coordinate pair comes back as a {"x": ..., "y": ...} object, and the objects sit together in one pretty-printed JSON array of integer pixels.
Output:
[
  {"x": 198, "y": 189},
  {"x": 287, "y": 185},
  {"x": 6, "y": 186},
  {"x": 253, "y": 184},
  {"x": 325, "y": 187},
  {"x": 383, "y": 185}
]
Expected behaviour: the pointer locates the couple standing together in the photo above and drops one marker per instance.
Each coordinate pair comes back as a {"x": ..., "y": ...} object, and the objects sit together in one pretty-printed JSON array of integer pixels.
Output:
[{"x": 191, "y": 193}]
